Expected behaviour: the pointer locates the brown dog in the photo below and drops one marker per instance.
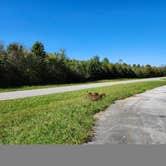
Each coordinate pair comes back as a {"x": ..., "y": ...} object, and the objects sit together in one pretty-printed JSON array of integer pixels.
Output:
[{"x": 95, "y": 96}]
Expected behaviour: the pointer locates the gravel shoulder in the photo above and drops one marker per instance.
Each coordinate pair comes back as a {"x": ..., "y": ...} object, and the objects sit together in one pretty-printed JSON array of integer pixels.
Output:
[
  {"x": 140, "y": 119},
  {"x": 46, "y": 91}
]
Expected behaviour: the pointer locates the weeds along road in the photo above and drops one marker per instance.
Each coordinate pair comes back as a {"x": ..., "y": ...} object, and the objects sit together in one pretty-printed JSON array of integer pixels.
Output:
[
  {"x": 136, "y": 120},
  {"x": 46, "y": 91}
]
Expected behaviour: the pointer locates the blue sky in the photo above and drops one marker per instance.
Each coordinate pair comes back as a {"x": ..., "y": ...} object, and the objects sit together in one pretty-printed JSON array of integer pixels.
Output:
[{"x": 132, "y": 30}]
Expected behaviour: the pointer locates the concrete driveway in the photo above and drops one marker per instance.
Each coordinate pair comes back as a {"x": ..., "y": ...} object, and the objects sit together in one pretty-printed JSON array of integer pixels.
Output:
[
  {"x": 40, "y": 92},
  {"x": 136, "y": 120}
]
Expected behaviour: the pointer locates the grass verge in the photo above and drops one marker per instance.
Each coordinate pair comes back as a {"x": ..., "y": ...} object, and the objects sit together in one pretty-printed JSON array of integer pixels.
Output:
[
  {"x": 65, "y": 118},
  {"x": 59, "y": 85}
]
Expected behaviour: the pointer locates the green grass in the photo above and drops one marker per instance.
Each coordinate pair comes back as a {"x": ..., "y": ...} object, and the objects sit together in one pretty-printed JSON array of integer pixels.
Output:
[
  {"x": 65, "y": 118},
  {"x": 58, "y": 85}
]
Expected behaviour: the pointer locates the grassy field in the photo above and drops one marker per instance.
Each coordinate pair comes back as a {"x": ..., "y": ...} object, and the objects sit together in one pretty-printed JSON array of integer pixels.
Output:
[
  {"x": 65, "y": 118},
  {"x": 58, "y": 85}
]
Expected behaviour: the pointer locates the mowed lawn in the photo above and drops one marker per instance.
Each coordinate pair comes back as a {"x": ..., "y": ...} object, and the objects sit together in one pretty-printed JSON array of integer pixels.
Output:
[{"x": 65, "y": 118}]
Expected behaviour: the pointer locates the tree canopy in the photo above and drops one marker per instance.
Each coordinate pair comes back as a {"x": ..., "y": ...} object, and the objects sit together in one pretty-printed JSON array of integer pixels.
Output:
[{"x": 19, "y": 66}]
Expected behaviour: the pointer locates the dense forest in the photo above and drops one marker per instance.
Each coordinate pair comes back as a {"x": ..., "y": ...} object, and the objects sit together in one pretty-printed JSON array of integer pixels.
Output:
[{"x": 19, "y": 66}]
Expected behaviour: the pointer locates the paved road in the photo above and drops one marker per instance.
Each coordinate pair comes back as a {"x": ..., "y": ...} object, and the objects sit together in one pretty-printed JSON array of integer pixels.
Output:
[
  {"x": 136, "y": 120},
  {"x": 40, "y": 92}
]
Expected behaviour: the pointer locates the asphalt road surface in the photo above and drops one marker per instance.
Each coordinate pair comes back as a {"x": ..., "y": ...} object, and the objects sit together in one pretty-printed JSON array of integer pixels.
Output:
[
  {"x": 46, "y": 91},
  {"x": 136, "y": 120}
]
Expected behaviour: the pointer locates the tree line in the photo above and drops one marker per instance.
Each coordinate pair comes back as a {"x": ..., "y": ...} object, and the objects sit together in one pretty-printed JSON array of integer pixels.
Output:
[{"x": 19, "y": 66}]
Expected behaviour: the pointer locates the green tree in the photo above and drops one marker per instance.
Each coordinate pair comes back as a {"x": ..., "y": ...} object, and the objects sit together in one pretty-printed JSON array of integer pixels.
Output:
[
  {"x": 2, "y": 50},
  {"x": 148, "y": 71},
  {"x": 95, "y": 68},
  {"x": 105, "y": 68},
  {"x": 38, "y": 50},
  {"x": 15, "y": 50}
]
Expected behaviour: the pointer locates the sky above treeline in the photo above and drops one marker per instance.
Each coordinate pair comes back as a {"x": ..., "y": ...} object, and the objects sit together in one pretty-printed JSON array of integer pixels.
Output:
[{"x": 132, "y": 30}]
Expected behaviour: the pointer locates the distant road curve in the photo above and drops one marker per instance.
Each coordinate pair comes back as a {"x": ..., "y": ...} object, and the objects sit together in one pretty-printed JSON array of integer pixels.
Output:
[{"x": 46, "y": 91}]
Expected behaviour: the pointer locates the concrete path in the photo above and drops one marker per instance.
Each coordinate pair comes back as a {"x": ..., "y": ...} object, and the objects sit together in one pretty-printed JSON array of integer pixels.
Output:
[
  {"x": 40, "y": 92},
  {"x": 136, "y": 120}
]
